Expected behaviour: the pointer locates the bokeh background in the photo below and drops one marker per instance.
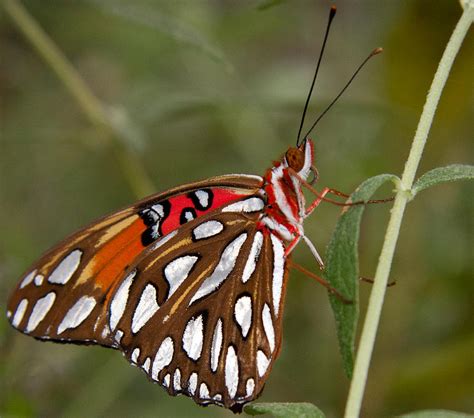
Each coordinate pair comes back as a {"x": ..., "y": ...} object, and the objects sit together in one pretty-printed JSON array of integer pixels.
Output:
[{"x": 201, "y": 88}]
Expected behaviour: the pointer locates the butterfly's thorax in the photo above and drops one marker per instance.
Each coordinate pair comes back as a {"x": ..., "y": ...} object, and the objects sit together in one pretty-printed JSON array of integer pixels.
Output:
[
  {"x": 285, "y": 208},
  {"x": 282, "y": 212}
]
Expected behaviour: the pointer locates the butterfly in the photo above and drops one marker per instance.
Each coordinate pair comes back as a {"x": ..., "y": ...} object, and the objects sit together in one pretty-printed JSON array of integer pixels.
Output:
[{"x": 188, "y": 284}]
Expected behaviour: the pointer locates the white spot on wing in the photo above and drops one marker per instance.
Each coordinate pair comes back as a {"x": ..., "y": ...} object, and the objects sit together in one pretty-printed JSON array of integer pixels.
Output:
[
  {"x": 262, "y": 363},
  {"x": 204, "y": 391},
  {"x": 216, "y": 346},
  {"x": 118, "y": 336},
  {"x": 231, "y": 371},
  {"x": 117, "y": 306},
  {"x": 278, "y": 271},
  {"x": 243, "y": 313},
  {"x": 162, "y": 241},
  {"x": 166, "y": 380},
  {"x": 146, "y": 308},
  {"x": 163, "y": 357},
  {"x": 203, "y": 197},
  {"x": 177, "y": 380},
  {"x": 177, "y": 271},
  {"x": 249, "y": 387},
  {"x": 193, "y": 337},
  {"x": 146, "y": 364},
  {"x": 252, "y": 204},
  {"x": 135, "y": 355},
  {"x": 223, "y": 268},
  {"x": 39, "y": 279},
  {"x": 66, "y": 268},
  {"x": 192, "y": 384},
  {"x": 40, "y": 310},
  {"x": 28, "y": 279},
  {"x": 19, "y": 313},
  {"x": 268, "y": 326},
  {"x": 77, "y": 314},
  {"x": 9, "y": 314},
  {"x": 207, "y": 229},
  {"x": 253, "y": 257}
]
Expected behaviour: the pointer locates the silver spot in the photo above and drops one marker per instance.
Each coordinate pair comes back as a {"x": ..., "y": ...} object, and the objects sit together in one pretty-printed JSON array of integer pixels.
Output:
[
  {"x": 217, "y": 397},
  {"x": 253, "y": 204},
  {"x": 188, "y": 215},
  {"x": 243, "y": 314},
  {"x": 216, "y": 345},
  {"x": 118, "y": 336},
  {"x": 9, "y": 314},
  {"x": 177, "y": 380},
  {"x": 193, "y": 337},
  {"x": 158, "y": 208},
  {"x": 66, "y": 268},
  {"x": 192, "y": 383},
  {"x": 39, "y": 279},
  {"x": 207, "y": 229},
  {"x": 28, "y": 279},
  {"x": 249, "y": 387},
  {"x": 162, "y": 241},
  {"x": 262, "y": 363},
  {"x": 204, "y": 391},
  {"x": 40, "y": 310},
  {"x": 203, "y": 198},
  {"x": 231, "y": 371},
  {"x": 146, "y": 364},
  {"x": 178, "y": 270},
  {"x": 268, "y": 326},
  {"x": 119, "y": 301},
  {"x": 223, "y": 268},
  {"x": 166, "y": 380},
  {"x": 146, "y": 308},
  {"x": 19, "y": 313},
  {"x": 135, "y": 355},
  {"x": 253, "y": 257},
  {"x": 163, "y": 357},
  {"x": 278, "y": 271},
  {"x": 77, "y": 314}
]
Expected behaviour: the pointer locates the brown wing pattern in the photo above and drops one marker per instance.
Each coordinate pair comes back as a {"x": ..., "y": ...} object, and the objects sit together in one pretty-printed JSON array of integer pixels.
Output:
[
  {"x": 187, "y": 317},
  {"x": 65, "y": 296}
]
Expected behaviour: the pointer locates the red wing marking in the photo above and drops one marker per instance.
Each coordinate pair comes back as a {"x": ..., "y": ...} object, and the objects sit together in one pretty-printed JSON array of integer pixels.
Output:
[{"x": 220, "y": 197}]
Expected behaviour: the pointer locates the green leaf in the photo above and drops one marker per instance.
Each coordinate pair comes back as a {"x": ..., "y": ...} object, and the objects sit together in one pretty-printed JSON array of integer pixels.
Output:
[
  {"x": 285, "y": 410},
  {"x": 342, "y": 267},
  {"x": 435, "y": 413},
  {"x": 443, "y": 174}
]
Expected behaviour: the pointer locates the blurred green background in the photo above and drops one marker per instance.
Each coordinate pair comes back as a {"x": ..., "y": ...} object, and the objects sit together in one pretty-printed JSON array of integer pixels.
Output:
[{"x": 203, "y": 88}]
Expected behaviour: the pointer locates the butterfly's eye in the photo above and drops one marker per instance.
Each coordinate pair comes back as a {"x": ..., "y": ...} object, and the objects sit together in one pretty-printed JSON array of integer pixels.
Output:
[{"x": 295, "y": 158}]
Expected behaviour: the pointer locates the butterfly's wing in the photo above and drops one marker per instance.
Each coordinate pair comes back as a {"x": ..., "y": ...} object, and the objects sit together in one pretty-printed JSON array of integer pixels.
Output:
[
  {"x": 65, "y": 296},
  {"x": 202, "y": 313}
]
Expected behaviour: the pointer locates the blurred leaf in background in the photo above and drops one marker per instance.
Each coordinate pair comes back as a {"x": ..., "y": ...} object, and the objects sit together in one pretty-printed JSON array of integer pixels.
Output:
[{"x": 218, "y": 87}]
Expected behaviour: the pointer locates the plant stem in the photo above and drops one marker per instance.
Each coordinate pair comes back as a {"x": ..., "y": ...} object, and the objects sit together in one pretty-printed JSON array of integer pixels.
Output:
[
  {"x": 369, "y": 331},
  {"x": 92, "y": 107}
]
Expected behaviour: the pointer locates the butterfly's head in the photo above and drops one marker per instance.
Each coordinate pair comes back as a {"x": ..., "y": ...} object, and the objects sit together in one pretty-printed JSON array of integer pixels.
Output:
[{"x": 301, "y": 158}]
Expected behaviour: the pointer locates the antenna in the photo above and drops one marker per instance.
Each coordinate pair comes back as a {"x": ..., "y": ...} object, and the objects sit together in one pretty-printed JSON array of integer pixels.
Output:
[
  {"x": 332, "y": 13},
  {"x": 373, "y": 53}
]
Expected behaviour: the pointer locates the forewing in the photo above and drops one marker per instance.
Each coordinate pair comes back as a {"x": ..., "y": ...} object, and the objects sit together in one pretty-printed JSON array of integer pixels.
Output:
[
  {"x": 204, "y": 316},
  {"x": 66, "y": 295}
]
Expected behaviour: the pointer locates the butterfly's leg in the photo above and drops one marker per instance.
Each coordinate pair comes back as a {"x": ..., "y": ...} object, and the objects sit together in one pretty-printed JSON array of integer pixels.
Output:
[
  {"x": 316, "y": 202},
  {"x": 311, "y": 247},
  {"x": 320, "y": 280},
  {"x": 292, "y": 245}
]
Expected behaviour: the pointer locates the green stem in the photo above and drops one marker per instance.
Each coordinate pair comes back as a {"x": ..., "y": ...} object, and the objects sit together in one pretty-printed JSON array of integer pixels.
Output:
[
  {"x": 369, "y": 331},
  {"x": 92, "y": 107}
]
